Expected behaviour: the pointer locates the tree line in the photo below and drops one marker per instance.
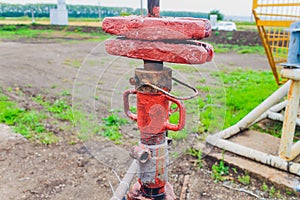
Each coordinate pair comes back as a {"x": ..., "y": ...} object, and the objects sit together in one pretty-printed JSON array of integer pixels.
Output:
[{"x": 83, "y": 11}]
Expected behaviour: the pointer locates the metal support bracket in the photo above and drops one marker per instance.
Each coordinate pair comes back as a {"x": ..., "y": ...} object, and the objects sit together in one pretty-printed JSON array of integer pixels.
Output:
[{"x": 288, "y": 150}]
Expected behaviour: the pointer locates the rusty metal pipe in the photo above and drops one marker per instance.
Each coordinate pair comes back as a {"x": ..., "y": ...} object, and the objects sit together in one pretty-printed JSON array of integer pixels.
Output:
[
  {"x": 153, "y": 65},
  {"x": 153, "y": 8}
]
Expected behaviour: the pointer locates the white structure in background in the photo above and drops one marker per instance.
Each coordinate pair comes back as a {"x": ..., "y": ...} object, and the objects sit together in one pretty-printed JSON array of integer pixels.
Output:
[
  {"x": 59, "y": 16},
  {"x": 214, "y": 21}
]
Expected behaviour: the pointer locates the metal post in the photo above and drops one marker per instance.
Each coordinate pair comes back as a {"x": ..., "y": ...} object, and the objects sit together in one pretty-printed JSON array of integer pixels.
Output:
[
  {"x": 99, "y": 10},
  {"x": 291, "y": 71},
  {"x": 289, "y": 122},
  {"x": 152, "y": 41},
  {"x": 142, "y": 7},
  {"x": 153, "y": 8}
]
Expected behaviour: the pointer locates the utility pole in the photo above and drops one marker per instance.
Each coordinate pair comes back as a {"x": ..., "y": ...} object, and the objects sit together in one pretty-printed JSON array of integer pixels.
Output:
[
  {"x": 32, "y": 16},
  {"x": 142, "y": 12},
  {"x": 99, "y": 10}
]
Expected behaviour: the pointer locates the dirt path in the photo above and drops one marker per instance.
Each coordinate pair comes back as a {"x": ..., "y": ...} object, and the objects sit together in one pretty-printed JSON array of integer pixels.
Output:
[{"x": 63, "y": 171}]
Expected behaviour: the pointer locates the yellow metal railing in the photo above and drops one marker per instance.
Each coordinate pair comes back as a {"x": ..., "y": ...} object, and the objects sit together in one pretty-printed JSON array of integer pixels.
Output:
[{"x": 273, "y": 18}]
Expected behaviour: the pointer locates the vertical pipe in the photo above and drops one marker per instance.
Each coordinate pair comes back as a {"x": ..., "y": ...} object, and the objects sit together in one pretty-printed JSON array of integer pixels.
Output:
[
  {"x": 153, "y": 8},
  {"x": 142, "y": 7}
]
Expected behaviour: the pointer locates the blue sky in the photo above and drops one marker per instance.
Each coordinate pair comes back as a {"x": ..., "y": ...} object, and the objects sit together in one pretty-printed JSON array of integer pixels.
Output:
[{"x": 228, "y": 7}]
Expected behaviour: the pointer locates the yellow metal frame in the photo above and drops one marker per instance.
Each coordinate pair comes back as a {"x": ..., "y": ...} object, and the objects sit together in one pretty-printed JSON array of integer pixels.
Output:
[{"x": 273, "y": 18}]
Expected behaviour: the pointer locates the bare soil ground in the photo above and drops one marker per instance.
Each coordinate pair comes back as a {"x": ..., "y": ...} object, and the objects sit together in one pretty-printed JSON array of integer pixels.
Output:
[{"x": 84, "y": 170}]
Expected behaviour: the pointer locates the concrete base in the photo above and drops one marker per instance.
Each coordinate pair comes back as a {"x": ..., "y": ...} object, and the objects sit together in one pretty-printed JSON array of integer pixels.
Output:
[
  {"x": 58, "y": 17},
  {"x": 262, "y": 142}
]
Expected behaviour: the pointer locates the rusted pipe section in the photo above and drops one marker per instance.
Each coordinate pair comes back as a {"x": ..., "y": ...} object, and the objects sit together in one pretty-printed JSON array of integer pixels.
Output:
[
  {"x": 153, "y": 8},
  {"x": 156, "y": 40},
  {"x": 161, "y": 51},
  {"x": 145, "y": 28},
  {"x": 150, "y": 65}
]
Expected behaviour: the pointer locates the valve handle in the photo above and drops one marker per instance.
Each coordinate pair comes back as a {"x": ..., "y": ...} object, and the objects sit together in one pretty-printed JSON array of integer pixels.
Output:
[
  {"x": 182, "y": 112},
  {"x": 126, "y": 104}
]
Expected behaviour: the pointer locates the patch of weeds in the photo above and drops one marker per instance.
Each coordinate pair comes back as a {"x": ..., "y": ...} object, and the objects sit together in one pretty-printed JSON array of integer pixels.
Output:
[
  {"x": 271, "y": 191},
  {"x": 202, "y": 80},
  {"x": 76, "y": 30},
  {"x": 219, "y": 171},
  {"x": 9, "y": 28},
  {"x": 46, "y": 138},
  {"x": 202, "y": 88},
  {"x": 265, "y": 187},
  {"x": 28, "y": 85},
  {"x": 289, "y": 192},
  {"x": 76, "y": 63},
  {"x": 274, "y": 128},
  {"x": 96, "y": 98},
  {"x": 114, "y": 120},
  {"x": 53, "y": 86},
  {"x": 111, "y": 127},
  {"x": 133, "y": 109},
  {"x": 225, "y": 48},
  {"x": 178, "y": 135},
  {"x": 245, "y": 179},
  {"x": 60, "y": 109},
  {"x": 28, "y": 123},
  {"x": 212, "y": 111},
  {"x": 9, "y": 89},
  {"x": 174, "y": 119},
  {"x": 234, "y": 170},
  {"x": 198, "y": 155},
  {"x": 66, "y": 93},
  {"x": 244, "y": 90}
]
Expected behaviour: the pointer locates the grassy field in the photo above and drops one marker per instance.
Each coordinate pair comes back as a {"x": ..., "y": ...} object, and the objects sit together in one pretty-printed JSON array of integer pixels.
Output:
[
  {"x": 240, "y": 87},
  {"x": 94, "y": 22},
  {"x": 246, "y": 26},
  {"x": 46, "y": 21},
  {"x": 27, "y": 32}
]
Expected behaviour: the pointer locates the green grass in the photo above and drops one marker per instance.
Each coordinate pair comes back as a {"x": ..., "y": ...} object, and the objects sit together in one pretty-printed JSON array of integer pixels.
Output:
[
  {"x": 226, "y": 48},
  {"x": 71, "y": 19},
  {"x": 197, "y": 154},
  {"x": 29, "y": 123},
  {"x": 246, "y": 26},
  {"x": 11, "y": 32},
  {"x": 25, "y": 31},
  {"x": 75, "y": 63},
  {"x": 111, "y": 127},
  {"x": 219, "y": 171},
  {"x": 244, "y": 179},
  {"x": 244, "y": 90}
]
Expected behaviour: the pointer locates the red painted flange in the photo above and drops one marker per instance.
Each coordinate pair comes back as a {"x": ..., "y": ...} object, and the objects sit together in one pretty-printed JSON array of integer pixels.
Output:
[
  {"x": 149, "y": 28},
  {"x": 193, "y": 52},
  {"x": 135, "y": 193}
]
